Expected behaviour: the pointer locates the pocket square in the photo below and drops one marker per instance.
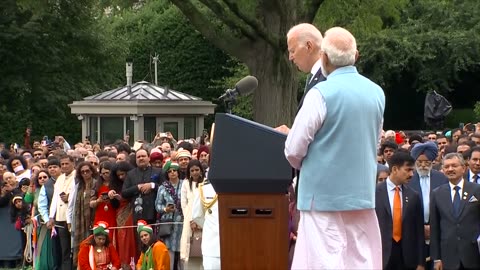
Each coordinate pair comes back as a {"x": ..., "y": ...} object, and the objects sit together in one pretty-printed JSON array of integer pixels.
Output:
[{"x": 473, "y": 199}]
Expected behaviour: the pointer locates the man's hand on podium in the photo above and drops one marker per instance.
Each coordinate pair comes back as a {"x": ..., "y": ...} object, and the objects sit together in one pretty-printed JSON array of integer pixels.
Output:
[{"x": 283, "y": 129}]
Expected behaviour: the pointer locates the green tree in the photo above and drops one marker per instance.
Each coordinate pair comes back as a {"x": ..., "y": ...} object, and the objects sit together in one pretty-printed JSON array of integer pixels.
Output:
[
  {"x": 52, "y": 54},
  {"x": 254, "y": 33},
  {"x": 187, "y": 61}
]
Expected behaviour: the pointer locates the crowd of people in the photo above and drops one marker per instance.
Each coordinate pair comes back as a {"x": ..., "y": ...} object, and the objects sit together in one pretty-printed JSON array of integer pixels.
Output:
[
  {"x": 439, "y": 177},
  {"x": 112, "y": 207}
]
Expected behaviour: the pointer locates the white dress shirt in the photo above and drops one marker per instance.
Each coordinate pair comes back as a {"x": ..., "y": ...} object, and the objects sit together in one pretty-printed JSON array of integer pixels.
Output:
[
  {"x": 472, "y": 175},
  {"x": 460, "y": 191},
  {"x": 307, "y": 122},
  {"x": 391, "y": 193}
]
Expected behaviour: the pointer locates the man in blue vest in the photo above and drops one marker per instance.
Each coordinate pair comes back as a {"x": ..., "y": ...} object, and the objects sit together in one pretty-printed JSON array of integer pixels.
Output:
[{"x": 338, "y": 226}]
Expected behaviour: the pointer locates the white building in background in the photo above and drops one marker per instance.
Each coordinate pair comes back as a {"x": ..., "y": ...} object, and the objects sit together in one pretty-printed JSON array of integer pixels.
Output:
[{"x": 142, "y": 109}]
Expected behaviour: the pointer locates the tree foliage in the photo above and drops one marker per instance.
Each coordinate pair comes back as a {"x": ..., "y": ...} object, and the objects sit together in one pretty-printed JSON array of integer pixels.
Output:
[
  {"x": 52, "y": 53},
  {"x": 187, "y": 62},
  {"x": 254, "y": 32}
]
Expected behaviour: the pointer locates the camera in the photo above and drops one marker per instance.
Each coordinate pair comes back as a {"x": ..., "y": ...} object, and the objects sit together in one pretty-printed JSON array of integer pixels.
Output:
[{"x": 138, "y": 205}]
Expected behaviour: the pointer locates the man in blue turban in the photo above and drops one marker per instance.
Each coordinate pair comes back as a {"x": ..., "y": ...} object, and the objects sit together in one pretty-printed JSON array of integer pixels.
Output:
[{"x": 424, "y": 180}]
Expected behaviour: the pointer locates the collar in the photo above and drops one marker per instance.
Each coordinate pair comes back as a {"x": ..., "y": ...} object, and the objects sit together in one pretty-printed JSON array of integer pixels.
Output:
[
  {"x": 316, "y": 67},
  {"x": 471, "y": 174},
  {"x": 391, "y": 185},
  {"x": 343, "y": 70},
  {"x": 460, "y": 184},
  {"x": 424, "y": 176}
]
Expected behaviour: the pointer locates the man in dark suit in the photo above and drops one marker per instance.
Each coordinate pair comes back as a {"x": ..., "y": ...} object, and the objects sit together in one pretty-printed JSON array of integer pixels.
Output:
[
  {"x": 472, "y": 173},
  {"x": 455, "y": 219},
  {"x": 304, "y": 50},
  {"x": 424, "y": 181},
  {"x": 400, "y": 217}
]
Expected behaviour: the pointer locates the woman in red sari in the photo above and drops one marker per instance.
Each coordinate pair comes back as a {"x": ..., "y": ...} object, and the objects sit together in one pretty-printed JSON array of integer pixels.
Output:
[
  {"x": 96, "y": 252},
  {"x": 105, "y": 208},
  {"x": 124, "y": 238}
]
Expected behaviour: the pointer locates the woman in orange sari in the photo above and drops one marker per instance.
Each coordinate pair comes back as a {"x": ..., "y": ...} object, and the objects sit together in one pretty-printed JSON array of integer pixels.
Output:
[
  {"x": 96, "y": 252},
  {"x": 124, "y": 237}
]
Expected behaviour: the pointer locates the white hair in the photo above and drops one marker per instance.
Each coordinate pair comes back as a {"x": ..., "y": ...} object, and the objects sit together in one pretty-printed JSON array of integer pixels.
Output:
[
  {"x": 389, "y": 133},
  {"x": 306, "y": 32},
  {"x": 340, "y": 47}
]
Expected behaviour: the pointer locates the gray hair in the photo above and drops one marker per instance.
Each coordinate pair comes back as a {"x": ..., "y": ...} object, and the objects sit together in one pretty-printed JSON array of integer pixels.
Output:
[
  {"x": 340, "y": 47},
  {"x": 452, "y": 156},
  {"x": 306, "y": 32}
]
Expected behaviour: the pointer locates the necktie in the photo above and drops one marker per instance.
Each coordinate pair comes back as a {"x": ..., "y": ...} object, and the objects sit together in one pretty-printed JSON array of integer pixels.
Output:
[
  {"x": 456, "y": 202},
  {"x": 425, "y": 185},
  {"x": 397, "y": 216},
  {"x": 307, "y": 82},
  {"x": 476, "y": 179}
]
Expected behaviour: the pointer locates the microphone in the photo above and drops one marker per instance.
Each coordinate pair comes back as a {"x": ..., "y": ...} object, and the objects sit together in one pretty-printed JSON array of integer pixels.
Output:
[{"x": 242, "y": 87}]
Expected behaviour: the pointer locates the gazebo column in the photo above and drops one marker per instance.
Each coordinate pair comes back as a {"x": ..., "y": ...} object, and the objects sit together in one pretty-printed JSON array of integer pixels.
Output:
[{"x": 84, "y": 119}]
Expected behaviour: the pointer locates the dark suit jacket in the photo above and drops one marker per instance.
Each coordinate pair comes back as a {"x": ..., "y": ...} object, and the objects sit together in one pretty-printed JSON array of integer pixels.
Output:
[
  {"x": 436, "y": 179},
  {"x": 467, "y": 176},
  {"x": 412, "y": 225},
  {"x": 318, "y": 77},
  {"x": 455, "y": 240},
  {"x": 130, "y": 189}
]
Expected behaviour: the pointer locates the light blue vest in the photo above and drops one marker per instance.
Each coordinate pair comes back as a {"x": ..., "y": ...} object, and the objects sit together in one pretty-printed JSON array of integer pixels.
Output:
[{"x": 339, "y": 170}]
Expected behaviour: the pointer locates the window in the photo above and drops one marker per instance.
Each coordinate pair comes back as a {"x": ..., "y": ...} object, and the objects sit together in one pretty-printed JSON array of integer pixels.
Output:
[
  {"x": 189, "y": 128},
  {"x": 172, "y": 127},
  {"x": 93, "y": 130},
  {"x": 111, "y": 129},
  {"x": 130, "y": 129},
  {"x": 150, "y": 128}
]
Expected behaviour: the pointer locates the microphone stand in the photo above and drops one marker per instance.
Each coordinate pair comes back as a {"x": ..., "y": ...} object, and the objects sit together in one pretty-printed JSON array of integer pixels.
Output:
[{"x": 229, "y": 105}]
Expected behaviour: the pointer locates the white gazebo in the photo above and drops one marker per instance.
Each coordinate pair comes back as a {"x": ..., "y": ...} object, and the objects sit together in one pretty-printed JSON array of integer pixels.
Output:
[{"x": 141, "y": 110}]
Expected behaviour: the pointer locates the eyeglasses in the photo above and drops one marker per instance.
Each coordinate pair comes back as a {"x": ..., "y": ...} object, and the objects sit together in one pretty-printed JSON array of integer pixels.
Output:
[
  {"x": 171, "y": 171},
  {"x": 42, "y": 177},
  {"x": 85, "y": 172},
  {"x": 94, "y": 163}
]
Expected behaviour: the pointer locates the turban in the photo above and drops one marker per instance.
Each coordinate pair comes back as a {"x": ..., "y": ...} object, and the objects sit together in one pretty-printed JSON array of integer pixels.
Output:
[
  {"x": 202, "y": 148},
  {"x": 100, "y": 228},
  {"x": 142, "y": 226},
  {"x": 429, "y": 149},
  {"x": 170, "y": 165},
  {"x": 156, "y": 156},
  {"x": 183, "y": 153}
]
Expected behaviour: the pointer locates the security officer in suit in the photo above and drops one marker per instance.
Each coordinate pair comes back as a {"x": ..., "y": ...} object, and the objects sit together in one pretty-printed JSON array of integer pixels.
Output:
[{"x": 400, "y": 217}]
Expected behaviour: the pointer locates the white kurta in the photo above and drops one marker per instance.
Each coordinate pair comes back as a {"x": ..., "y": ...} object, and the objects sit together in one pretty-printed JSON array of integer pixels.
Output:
[
  {"x": 210, "y": 225},
  {"x": 187, "y": 199},
  {"x": 329, "y": 240}
]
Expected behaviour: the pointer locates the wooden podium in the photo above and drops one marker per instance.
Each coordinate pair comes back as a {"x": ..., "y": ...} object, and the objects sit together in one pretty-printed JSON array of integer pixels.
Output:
[{"x": 251, "y": 176}]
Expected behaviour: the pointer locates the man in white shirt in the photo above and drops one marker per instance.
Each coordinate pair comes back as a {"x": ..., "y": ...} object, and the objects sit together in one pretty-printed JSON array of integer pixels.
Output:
[{"x": 59, "y": 207}]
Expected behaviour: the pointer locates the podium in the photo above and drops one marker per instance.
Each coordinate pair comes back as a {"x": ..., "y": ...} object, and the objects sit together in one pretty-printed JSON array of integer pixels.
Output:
[{"x": 251, "y": 175}]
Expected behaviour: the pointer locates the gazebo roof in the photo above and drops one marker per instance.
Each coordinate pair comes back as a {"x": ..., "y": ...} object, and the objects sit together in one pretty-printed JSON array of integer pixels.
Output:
[{"x": 142, "y": 91}]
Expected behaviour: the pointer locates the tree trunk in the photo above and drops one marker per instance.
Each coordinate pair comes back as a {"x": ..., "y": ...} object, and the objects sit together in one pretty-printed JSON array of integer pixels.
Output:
[{"x": 275, "y": 100}]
